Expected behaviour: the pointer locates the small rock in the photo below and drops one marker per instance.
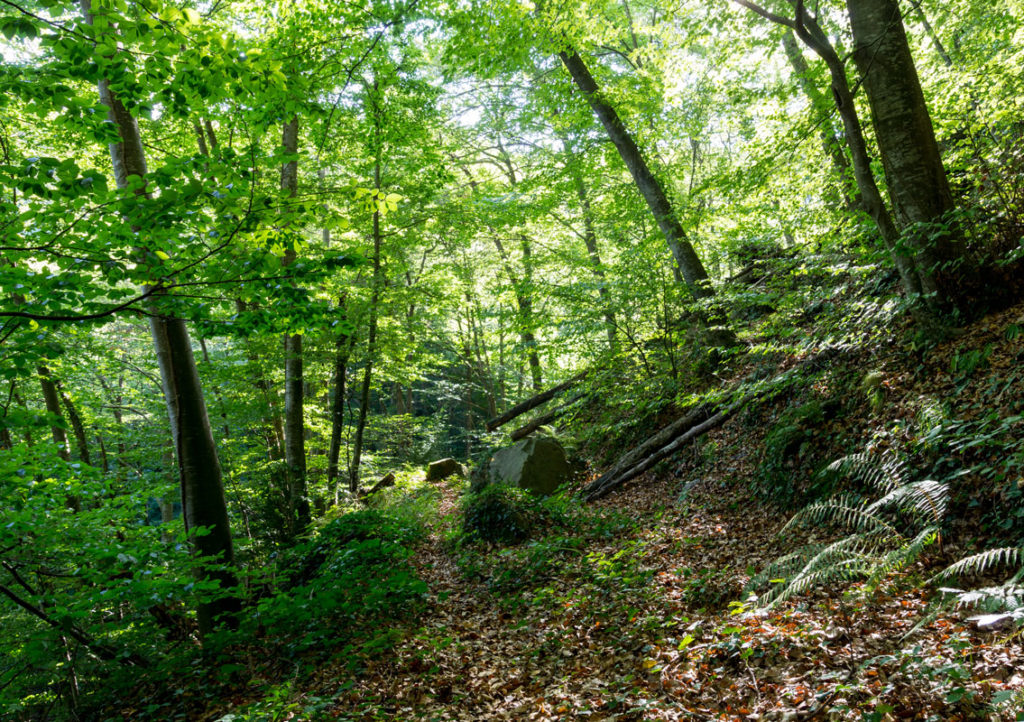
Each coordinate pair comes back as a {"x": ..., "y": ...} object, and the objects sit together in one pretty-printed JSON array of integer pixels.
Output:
[{"x": 443, "y": 468}]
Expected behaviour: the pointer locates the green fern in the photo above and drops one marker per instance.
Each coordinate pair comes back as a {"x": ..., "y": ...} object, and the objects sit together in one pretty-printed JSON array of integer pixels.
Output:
[
  {"x": 884, "y": 536},
  {"x": 883, "y": 474},
  {"x": 1007, "y": 598},
  {"x": 980, "y": 563}
]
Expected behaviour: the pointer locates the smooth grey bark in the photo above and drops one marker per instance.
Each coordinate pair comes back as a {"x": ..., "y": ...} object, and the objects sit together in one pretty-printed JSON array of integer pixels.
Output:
[
  {"x": 650, "y": 187},
  {"x": 910, "y": 154},
  {"x": 294, "y": 426},
  {"x": 811, "y": 34},
  {"x": 202, "y": 489}
]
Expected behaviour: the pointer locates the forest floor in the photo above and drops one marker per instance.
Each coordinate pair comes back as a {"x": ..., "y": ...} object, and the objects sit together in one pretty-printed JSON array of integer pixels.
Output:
[
  {"x": 632, "y": 609},
  {"x": 651, "y": 646},
  {"x": 645, "y": 622}
]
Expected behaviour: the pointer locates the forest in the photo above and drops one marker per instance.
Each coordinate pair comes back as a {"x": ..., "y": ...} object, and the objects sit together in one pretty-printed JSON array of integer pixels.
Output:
[{"x": 511, "y": 359}]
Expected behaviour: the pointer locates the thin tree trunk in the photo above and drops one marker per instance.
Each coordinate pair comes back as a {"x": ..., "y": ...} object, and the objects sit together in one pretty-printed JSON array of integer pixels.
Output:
[
  {"x": 829, "y": 142},
  {"x": 200, "y": 138},
  {"x": 371, "y": 344},
  {"x": 275, "y": 437},
  {"x": 202, "y": 489},
  {"x": 342, "y": 352},
  {"x": 216, "y": 393},
  {"x": 104, "y": 461},
  {"x": 53, "y": 408},
  {"x": 524, "y": 306},
  {"x": 650, "y": 187},
  {"x": 294, "y": 426},
  {"x": 590, "y": 241},
  {"x": 811, "y": 34},
  {"x": 76, "y": 425}
]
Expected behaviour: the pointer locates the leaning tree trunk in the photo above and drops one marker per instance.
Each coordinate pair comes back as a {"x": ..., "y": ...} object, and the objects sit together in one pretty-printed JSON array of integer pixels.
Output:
[
  {"x": 649, "y": 186},
  {"x": 811, "y": 34},
  {"x": 830, "y": 144},
  {"x": 294, "y": 426},
  {"x": 906, "y": 139},
  {"x": 202, "y": 489}
]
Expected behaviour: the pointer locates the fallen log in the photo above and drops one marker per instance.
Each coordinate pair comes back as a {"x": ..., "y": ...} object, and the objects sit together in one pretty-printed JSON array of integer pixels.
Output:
[
  {"x": 635, "y": 455},
  {"x": 544, "y": 419},
  {"x": 663, "y": 453},
  {"x": 533, "y": 402},
  {"x": 696, "y": 423}
]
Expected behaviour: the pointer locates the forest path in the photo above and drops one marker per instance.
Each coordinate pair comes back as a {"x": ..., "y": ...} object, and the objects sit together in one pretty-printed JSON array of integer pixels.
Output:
[
  {"x": 582, "y": 646},
  {"x": 637, "y": 627}
]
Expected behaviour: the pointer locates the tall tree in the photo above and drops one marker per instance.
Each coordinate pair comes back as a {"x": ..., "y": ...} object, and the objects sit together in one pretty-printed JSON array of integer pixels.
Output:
[
  {"x": 294, "y": 423},
  {"x": 910, "y": 154},
  {"x": 202, "y": 489}
]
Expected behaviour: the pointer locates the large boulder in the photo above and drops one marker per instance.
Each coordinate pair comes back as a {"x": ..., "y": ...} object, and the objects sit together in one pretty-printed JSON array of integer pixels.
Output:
[
  {"x": 442, "y": 469},
  {"x": 537, "y": 464}
]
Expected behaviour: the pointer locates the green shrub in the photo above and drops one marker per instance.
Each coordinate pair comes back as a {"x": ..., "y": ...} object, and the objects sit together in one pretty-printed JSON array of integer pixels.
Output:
[
  {"x": 501, "y": 514},
  {"x": 353, "y": 571},
  {"x": 303, "y": 561}
]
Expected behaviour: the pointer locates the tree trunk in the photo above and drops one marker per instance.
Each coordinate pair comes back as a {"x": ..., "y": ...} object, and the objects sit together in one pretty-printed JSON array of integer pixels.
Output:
[
  {"x": 808, "y": 30},
  {"x": 371, "y": 345},
  {"x": 524, "y": 307},
  {"x": 275, "y": 436},
  {"x": 596, "y": 268},
  {"x": 830, "y": 144},
  {"x": 76, "y": 425},
  {"x": 202, "y": 489},
  {"x": 53, "y": 408},
  {"x": 294, "y": 426},
  {"x": 533, "y": 402},
  {"x": 341, "y": 356},
  {"x": 216, "y": 393},
  {"x": 906, "y": 138},
  {"x": 649, "y": 186}
]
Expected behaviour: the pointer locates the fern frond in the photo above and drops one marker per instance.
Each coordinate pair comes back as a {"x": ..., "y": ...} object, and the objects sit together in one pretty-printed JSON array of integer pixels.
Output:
[
  {"x": 927, "y": 498},
  {"x": 902, "y": 555},
  {"x": 844, "y": 510},
  {"x": 783, "y": 567},
  {"x": 979, "y": 563},
  {"x": 841, "y": 560},
  {"x": 885, "y": 473},
  {"x": 1006, "y": 597}
]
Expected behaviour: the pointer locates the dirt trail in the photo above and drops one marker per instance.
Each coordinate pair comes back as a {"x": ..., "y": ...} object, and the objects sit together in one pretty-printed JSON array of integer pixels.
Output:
[{"x": 612, "y": 651}]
